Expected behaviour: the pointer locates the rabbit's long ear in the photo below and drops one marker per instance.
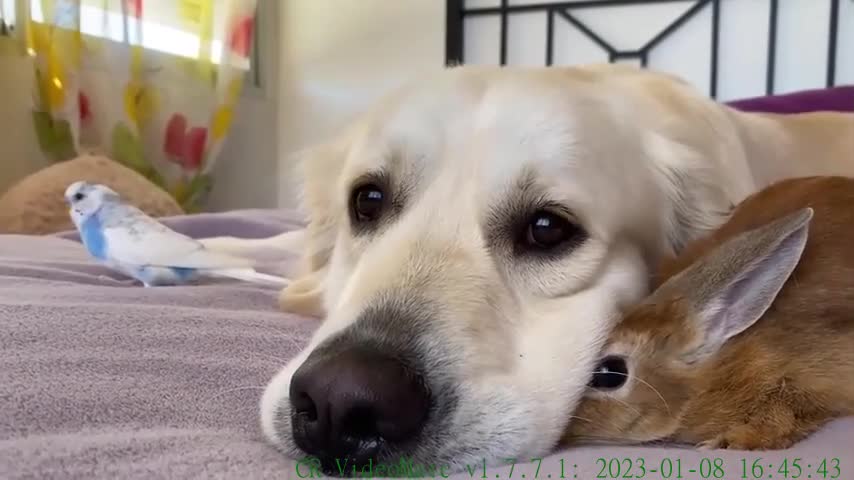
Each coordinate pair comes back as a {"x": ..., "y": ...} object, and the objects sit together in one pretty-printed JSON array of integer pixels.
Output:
[{"x": 731, "y": 287}]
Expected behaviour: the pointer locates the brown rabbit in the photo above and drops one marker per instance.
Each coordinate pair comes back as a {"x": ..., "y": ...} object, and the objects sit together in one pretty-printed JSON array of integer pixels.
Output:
[{"x": 749, "y": 342}]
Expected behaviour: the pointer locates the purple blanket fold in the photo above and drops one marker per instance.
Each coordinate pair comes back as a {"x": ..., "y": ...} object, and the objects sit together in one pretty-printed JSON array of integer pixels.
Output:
[
  {"x": 101, "y": 378},
  {"x": 836, "y": 99}
]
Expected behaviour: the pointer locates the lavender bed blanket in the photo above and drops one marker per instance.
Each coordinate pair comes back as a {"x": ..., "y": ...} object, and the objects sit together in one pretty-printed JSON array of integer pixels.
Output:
[{"x": 100, "y": 378}]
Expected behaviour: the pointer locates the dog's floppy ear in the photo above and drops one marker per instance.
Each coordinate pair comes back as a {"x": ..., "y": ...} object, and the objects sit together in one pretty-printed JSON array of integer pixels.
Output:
[
  {"x": 317, "y": 170},
  {"x": 695, "y": 149},
  {"x": 731, "y": 287},
  {"x": 694, "y": 188}
]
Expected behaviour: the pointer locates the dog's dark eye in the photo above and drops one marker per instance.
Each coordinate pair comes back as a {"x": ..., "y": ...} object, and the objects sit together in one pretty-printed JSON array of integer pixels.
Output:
[
  {"x": 79, "y": 196},
  {"x": 611, "y": 373},
  {"x": 547, "y": 231},
  {"x": 367, "y": 203}
]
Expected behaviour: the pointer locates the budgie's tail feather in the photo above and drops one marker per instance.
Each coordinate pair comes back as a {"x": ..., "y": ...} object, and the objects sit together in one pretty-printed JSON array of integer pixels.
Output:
[{"x": 249, "y": 275}]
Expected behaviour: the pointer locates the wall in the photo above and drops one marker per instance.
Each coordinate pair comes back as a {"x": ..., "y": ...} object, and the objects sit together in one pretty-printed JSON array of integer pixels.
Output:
[
  {"x": 246, "y": 174},
  {"x": 338, "y": 56},
  {"x": 19, "y": 152}
]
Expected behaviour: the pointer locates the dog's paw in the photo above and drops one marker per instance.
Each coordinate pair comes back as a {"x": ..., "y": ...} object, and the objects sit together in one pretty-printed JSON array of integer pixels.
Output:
[{"x": 297, "y": 298}]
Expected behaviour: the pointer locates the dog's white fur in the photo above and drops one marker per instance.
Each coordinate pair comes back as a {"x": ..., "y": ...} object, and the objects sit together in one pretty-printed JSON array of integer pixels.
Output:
[{"x": 643, "y": 162}]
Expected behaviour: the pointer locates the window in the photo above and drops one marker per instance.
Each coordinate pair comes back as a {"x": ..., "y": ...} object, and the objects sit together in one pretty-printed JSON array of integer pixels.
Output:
[
  {"x": 172, "y": 26},
  {"x": 7, "y": 17}
]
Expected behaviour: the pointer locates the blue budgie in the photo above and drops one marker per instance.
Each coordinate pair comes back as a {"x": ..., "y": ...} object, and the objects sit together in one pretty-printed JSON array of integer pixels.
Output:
[{"x": 124, "y": 238}]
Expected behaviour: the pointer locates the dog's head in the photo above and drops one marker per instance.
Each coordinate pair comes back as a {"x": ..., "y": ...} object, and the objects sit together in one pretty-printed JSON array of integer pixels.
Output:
[{"x": 472, "y": 241}]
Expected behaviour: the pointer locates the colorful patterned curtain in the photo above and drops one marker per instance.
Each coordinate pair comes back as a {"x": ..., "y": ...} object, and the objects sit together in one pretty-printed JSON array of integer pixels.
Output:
[{"x": 150, "y": 83}]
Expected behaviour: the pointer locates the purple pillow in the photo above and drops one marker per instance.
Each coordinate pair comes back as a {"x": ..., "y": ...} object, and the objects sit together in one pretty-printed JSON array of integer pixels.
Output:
[{"x": 835, "y": 99}]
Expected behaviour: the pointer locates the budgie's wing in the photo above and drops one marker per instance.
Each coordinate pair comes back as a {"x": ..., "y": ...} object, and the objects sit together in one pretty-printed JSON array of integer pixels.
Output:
[{"x": 133, "y": 237}]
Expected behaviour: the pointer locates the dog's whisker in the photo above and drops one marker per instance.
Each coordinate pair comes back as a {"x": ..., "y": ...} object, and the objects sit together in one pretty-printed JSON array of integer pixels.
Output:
[
  {"x": 236, "y": 389},
  {"x": 271, "y": 358}
]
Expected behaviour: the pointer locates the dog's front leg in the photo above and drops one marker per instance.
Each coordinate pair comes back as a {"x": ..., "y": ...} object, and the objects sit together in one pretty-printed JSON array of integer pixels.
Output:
[{"x": 267, "y": 249}]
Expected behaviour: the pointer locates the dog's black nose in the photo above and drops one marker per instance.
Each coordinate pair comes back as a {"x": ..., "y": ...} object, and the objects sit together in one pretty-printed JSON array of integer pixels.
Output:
[{"x": 348, "y": 404}]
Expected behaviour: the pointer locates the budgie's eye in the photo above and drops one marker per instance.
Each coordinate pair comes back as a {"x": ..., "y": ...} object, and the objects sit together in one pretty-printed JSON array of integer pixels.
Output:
[
  {"x": 79, "y": 196},
  {"x": 367, "y": 203}
]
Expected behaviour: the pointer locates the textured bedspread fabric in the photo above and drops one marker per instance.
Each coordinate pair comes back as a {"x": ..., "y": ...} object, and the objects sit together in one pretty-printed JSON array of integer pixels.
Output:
[{"x": 101, "y": 378}]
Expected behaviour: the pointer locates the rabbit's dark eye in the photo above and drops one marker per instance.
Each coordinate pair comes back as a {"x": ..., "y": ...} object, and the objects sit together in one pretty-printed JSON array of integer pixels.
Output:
[{"x": 611, "y": 373}]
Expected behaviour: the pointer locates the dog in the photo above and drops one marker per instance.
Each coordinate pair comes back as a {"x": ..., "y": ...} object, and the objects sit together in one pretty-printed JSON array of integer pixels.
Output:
[{"x": 473, "y": 238}]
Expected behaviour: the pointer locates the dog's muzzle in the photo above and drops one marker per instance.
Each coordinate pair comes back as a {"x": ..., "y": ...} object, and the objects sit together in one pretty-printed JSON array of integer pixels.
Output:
[
  {"x": 375, "y": 390},
  {"x": 355, "y": 402}
]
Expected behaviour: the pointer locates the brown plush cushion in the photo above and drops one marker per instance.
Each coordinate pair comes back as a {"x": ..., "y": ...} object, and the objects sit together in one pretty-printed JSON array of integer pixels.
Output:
[{"x": 36, "y": 206}]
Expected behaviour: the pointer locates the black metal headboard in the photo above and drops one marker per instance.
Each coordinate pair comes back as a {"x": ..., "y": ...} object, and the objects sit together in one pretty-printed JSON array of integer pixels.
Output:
[{"x": 564, "y": 11}]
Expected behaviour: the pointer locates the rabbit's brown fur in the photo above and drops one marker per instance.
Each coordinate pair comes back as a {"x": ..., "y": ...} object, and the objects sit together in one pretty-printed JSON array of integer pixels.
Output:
[{"x": 767, "y": 387}]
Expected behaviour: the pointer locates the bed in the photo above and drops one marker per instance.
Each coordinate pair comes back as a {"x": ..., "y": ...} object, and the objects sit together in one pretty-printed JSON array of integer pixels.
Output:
[{"x": 100, "y": 378}]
